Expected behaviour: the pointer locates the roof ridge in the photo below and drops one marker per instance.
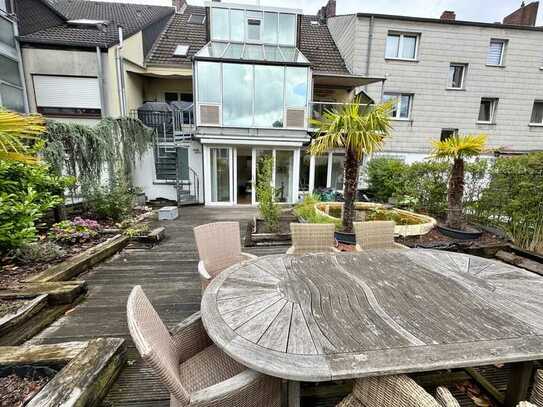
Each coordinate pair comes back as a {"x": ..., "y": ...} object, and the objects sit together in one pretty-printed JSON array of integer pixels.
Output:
[{"x": 159, "y": 37}]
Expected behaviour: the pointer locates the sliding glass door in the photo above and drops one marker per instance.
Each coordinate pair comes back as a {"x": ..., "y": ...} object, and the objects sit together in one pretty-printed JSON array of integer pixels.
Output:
[{"x": 220, "y": 165}]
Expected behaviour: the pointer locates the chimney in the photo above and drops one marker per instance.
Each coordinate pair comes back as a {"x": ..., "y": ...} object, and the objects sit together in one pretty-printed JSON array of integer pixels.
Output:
[
  {"x": 448, "y": 15},
  {"x": 329, "y": 10},
  {"x": 180, "y": 6},
  {"x": 526, "y": 15}
]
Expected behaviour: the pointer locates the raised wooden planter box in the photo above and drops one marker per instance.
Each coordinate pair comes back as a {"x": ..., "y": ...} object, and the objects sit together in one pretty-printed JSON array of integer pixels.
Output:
[
  {"x": 82, "y": 262},
  {"x": 23, "y": 314},
  {"x": 88, "y": 369},
  {"x": 268, "y": 238}
]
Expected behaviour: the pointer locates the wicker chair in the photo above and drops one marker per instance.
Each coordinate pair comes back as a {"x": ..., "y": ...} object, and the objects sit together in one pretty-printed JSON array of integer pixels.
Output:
[
  {"x": 312, "y": 238},
  {"x": 388, "y": 391},
  {"x": 537, "y": 389},
  {"x": 445, "y": 398},
  {"x": 219, "y": 247},
  {"x": 193, "y": 369},
  {"x": 376, "y": 234}
]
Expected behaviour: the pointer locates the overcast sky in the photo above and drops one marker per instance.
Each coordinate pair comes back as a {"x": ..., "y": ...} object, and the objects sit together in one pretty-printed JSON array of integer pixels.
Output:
[{"x": 471, "y": 10}]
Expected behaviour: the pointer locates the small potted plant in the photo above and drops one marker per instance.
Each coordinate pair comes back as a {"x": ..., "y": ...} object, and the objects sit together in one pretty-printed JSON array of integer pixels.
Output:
[{"x": 456, "y": 149}]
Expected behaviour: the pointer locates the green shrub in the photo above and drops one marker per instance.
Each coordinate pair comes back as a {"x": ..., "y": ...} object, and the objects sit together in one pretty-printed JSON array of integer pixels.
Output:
[
  {"x": 114, "y": 200},
  {"x": 265, "y": 193},
  {"x": 513, "y": 199},
  {"x": 39, "y": 251},
  {"x": 26, "y": 193},
  {"x": 386, "y": 176},
  {"x": 305, "y": 211}
]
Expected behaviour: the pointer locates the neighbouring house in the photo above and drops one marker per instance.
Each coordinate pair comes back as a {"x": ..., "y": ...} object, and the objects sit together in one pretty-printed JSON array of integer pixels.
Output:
[
  {"x": 450, "y": 76},
  {"x": 12, "y": 86}
]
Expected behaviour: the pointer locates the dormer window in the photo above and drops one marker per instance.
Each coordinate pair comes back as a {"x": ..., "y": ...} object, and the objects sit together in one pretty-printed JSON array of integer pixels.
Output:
[{"x": 252, "y": 26}]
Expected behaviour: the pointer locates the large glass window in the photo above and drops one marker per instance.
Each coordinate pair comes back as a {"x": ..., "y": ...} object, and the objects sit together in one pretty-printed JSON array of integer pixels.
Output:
[
  {"x": 305, "y": 163},
  {"x": 287, "y": 29},
  {"x": 270, "y": 28},
  {"x": 296, "y": 86},
  {"x": 11, "y": 98},
  {"x": 252, "y": 95},
  {"x": 209, "y": 82},
  {"x": 237, "y": 25},
  {"x": 269, "y": 101},
  {"x": 219, "y": 24},
  {"x": 7, "y": 35},
  {"x": 321, "y": 171},
  {"x": 237, "y": 95}
]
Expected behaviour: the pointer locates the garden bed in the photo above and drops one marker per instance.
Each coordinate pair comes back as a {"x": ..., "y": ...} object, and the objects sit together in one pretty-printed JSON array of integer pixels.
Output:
[
  {"x": 19, "y": 385},
  {"x": 259, "y": 234},
  {"x": 80, "y": 372}
]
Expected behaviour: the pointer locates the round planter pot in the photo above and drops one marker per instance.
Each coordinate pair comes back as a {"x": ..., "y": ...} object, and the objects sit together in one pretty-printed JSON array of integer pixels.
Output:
[
  {"x": 459, "y": 234},
  {"x": 345, "y": 238}
]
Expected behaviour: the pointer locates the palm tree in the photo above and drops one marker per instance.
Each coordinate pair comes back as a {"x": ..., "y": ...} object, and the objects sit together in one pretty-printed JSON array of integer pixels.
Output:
[
  {"x": 357, "y": 129},
  {"x": 457, "y": 148},
  {"x": 16, "y": 132}
]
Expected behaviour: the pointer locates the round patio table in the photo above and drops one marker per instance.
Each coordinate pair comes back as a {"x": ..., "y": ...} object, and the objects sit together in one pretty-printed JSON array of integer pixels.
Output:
[{"x": 321, "y": 317}]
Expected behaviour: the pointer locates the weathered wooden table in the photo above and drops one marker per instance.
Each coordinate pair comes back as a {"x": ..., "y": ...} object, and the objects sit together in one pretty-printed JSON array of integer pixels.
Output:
[{"x": 335, "y": 316}]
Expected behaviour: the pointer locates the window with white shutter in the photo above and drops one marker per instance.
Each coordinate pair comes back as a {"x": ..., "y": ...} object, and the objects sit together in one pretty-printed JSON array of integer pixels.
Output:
[
  {"x": 67, "y": 95},
  {"x": 495, "y": 52}
]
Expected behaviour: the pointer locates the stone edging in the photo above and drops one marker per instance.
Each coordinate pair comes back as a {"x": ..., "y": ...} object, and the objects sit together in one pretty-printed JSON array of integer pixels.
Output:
[{"x": 89, "y": 369}]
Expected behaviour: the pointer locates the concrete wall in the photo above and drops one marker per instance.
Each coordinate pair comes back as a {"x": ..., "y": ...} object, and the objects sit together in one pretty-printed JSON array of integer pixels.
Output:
[{"x": 516, "y": 84}]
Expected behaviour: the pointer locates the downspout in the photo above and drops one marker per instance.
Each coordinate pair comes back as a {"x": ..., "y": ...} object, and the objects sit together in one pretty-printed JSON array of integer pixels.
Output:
[
  {"x": 120, "y": 74},
  {"x": 370, "y": 46},
  {"x": 101, "y": 88}
]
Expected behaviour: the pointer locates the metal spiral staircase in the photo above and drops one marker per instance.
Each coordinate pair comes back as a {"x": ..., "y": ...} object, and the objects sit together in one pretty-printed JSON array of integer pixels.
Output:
[{"x": 174, "y": 129}]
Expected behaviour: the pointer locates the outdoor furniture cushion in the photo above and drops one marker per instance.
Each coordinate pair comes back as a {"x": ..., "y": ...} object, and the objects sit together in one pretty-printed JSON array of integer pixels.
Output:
[
  {"x": 312, "y": 238},
  {"x": 375, "y": 234},
  {"x": 445, "y": 398}
]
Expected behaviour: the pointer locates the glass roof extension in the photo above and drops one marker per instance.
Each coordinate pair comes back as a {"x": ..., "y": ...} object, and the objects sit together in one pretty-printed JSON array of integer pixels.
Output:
[{"x": 215, "y": 50}]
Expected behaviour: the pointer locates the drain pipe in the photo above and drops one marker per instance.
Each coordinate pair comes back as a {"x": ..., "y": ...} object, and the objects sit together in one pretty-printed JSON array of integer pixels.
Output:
[
  {"x": 100, "y": 71},
  {"x": 370, "y": 46},
  {"x": 120, "y": 74}
]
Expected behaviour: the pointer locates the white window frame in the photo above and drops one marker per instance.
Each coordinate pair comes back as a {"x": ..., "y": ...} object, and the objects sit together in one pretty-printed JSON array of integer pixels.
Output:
[
  {"x": 537, "y": 101},
  {"x": 400, "y": 45},
  {"x": 494, "y": 108},
  {"x": 399, "y": 105},
  {"x": 502, "y": 56},
  {"x": 260, "y": 26},
  {"x": 462, "y": 80}
]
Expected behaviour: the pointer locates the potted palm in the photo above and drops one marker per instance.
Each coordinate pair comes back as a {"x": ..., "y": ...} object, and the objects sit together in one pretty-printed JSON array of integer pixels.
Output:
[
  {"x": 358, "y": 130},
  {"x": 456, "y": 149}
]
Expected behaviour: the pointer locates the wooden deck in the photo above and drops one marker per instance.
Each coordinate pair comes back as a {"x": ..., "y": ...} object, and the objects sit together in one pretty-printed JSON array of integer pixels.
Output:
[{"x": 168, "y": 274}]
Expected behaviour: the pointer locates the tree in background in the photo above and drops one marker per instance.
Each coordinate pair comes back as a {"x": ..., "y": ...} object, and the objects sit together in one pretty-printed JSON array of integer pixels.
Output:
[
  {"x": 358, "y": 130},
  {"x": 456, "y": 149}
]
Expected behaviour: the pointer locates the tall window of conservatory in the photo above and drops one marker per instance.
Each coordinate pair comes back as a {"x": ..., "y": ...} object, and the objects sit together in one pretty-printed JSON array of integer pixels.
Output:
[
  {"x": 252, "y": 95},
  {"x": 269, "y": 100},
  {"x": 237, "y": 98}
]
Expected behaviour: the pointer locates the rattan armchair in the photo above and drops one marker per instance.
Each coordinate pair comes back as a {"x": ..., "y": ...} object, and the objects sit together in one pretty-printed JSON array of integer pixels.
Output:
[
  {"x": 312, "y": 238},
  {"x": 219, "y": 247},
  {"x": 194, "y": 370},
  {"x": 376, "y": 234},
  {"x": 537, "y": 390},
  {"x": 445, "y": 398}
]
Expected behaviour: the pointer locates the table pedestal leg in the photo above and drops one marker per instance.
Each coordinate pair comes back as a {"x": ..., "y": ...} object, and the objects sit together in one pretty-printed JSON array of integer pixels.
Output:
[
  {"x": 293, "y": 394},
  {"x": 519, "y": 381}
]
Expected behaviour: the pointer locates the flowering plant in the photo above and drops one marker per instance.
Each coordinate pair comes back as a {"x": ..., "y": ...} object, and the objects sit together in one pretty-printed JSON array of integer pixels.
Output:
[{"x": 77, "y": 230}]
